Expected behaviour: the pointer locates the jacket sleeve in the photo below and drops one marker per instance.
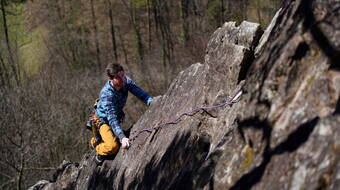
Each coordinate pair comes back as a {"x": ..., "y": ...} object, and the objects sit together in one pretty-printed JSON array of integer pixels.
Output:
[
  {"x": 111, "y": 112},
  {"x": 139, "y": 93}
]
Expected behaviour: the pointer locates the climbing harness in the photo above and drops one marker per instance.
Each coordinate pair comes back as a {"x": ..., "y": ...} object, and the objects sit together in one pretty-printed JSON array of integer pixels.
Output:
[
  {"x": 93, "y": 123},
  {"x": 233, "y": 100}
]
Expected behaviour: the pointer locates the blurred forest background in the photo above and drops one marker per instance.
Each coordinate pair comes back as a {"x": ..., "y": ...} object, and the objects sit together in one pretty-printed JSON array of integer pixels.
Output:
[{"x": 52, "y": 60}]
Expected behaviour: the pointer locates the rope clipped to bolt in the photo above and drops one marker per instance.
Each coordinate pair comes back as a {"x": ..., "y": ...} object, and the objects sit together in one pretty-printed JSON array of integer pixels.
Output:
[{"x": 232, "y": 101}]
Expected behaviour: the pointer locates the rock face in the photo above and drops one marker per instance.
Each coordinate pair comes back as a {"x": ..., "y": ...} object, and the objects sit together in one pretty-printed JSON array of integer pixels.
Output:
[{"x": 283, "y": 134}]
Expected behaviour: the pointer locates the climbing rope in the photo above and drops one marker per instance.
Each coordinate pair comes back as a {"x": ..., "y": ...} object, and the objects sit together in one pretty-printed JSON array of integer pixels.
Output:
[{"x": 233, "y": 100}]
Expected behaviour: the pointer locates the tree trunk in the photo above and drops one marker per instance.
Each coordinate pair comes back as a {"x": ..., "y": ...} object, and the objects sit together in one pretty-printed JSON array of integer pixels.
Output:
[
  {"x": 21, "y": 170},
  {"x": 113, "y": 35},
  {"x": 166, "y": 40},
  {"x": 156, "y": 15},
  {"x": 10, "y": 53},
  {"x": 149, "y": 23},
  {"x": 95, "y": 34},
  {"x": 222, "y": 13},
  {"x": 3, "y": 72},
  {"x": 167, "y": 30},
  {"x": 258, "y": 11},
  {"x": 123, "y": 47},
  {"x": 184, "y": 10},
  {"x": 244, "y": 9},
  {"x": 137, "y": 35}
]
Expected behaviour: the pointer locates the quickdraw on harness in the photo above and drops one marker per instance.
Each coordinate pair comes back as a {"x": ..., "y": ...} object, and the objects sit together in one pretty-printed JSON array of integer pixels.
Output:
[
  {"x": 232, "y": 100},
  {"x": 93, "y": 123}
]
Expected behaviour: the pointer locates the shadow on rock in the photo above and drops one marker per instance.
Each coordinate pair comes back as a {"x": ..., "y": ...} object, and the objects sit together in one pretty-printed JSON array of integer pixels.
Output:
[
  {"x": 179, "y": 166},
  {"x": 319, "y": 36},
  {"x": 102, "y": 178},
  {"x": 291, "y": 144}
]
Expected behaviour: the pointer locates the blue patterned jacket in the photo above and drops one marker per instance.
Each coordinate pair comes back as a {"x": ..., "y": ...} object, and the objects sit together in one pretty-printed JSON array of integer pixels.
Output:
[{"x": 111, "y": 103}]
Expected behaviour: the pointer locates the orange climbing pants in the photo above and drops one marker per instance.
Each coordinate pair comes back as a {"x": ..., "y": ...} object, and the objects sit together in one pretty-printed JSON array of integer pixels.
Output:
[{"x": 109, "y": 144}]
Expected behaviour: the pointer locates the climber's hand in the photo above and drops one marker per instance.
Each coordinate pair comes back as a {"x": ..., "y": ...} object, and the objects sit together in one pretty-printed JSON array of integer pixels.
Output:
[
  {"x": 155, "y": 99},
  {"x": 125, "y": 143},
  {"x": 149, "y": 101}
]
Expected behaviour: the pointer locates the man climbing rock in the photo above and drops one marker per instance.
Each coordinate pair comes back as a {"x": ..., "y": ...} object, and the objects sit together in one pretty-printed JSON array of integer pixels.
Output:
[{"x": 109, "y": 113}]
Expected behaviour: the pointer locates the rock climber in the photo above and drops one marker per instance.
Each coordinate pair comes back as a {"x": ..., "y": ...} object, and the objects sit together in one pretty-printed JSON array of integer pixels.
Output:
[{"x": 108, "y": 113}]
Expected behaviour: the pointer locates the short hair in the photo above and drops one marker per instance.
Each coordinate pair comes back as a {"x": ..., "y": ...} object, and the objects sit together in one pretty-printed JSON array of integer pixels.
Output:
[{"x": 113, "y": 69}]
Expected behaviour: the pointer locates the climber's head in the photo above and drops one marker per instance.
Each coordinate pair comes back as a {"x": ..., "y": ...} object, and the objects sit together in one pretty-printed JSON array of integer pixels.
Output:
[{"x": 115, "y": 72}]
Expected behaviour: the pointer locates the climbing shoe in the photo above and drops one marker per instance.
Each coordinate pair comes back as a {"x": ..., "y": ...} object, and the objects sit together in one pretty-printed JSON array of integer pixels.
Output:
[
  {"x": 99, "y": 159},
  {"x": 89, "y": 123}
]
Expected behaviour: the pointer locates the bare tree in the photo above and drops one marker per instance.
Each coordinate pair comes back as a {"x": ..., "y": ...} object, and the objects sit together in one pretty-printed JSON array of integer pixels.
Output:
[
  {"x": 5, "y": 80},
  {"x": 123, "y": 46},
  {"x": 258, "y": 11},
  {"x": 148, "y": 4},
  {"x": 134, "y": 20},
  {"x": 94, "y": 25},
  {"x": 11, "y": 61},
  {"x": 184, "y": 7},
  {"x": 222, "y": 19},
  {"x": 112, "y": 27},
  {"x": 161, "y": 15}
]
